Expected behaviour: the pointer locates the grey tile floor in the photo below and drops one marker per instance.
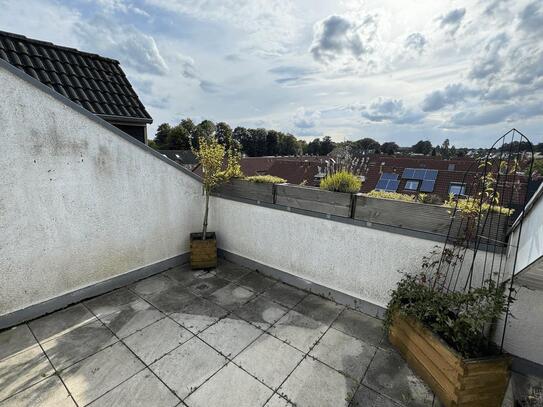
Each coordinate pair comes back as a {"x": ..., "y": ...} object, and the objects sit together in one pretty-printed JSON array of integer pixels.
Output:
[{"x": 228, "y": 337}]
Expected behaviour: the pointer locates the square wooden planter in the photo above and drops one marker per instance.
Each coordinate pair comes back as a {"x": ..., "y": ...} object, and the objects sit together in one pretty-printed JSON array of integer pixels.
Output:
[
  {"x": 456, "y": 381},
  {"x": 203, "y": 253}
]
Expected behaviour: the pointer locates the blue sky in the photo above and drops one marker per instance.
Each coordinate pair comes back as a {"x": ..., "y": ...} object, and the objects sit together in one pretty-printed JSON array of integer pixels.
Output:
[{"x": 391, "y": 70}]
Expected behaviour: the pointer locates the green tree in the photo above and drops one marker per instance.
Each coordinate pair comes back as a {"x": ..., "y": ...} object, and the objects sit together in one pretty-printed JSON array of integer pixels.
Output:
[
  {"x": 190, "y": 127},
  {"x": 224, "y": 134},
  {"x": 365, "y": 145},
  {"x": 162, "y": 134},
  {"x": 389, "y": 148},
  {"x": 178, "y": 139},
  {"x": 272, "y": 142},
  {"x": 314, "y": 147},
  {"x": 288, "y": 144},
  {"x": 422, "y": 147},
  {"x": 327, "y": 145},
  {"x": 204, "y": 129},
  {"x": 445, "y": 150}
]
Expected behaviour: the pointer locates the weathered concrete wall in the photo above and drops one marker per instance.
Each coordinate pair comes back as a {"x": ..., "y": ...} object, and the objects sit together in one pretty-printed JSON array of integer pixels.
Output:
[
  {"x": 524, "y": 334},
  {"x": 78, "y": 203},
  {"x": 358, "y": 261}
]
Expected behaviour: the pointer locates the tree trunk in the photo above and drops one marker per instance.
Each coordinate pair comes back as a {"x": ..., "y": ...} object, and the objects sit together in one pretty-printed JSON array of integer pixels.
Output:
[{"x": 204, "y": 231}]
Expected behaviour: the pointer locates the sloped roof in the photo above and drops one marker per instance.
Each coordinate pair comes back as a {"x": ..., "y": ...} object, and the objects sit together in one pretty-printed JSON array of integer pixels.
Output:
[{"x": 94, "y": 82}]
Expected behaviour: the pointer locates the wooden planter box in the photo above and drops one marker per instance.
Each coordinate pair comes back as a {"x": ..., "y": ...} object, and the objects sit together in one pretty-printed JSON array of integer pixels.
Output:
[
  {"x": 419, "y": 216},
  {"x": 456, "y": 381},
  {"x": 203, "y": 253},
  {"x": 314, "y": 199},
  {"x": 255, "y": 191}
]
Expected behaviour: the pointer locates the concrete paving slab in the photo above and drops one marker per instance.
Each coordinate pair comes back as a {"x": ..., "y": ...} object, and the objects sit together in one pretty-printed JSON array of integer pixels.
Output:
[
  {"x": 361, "y": 326},
  {"x": 298, "y": 330},
  {"x": 156, "y": 340},
  {"x": 110, "y": 302},
  {"x": 77, "y": 344},
  {"x": 188, "y": 366},
  {"x": 318, "y": 308},
  {"x": 315, "y": 384},
  {"x": 344, "y": 353},
  {"x": 231, "y": 296},
  {"x": 22, "y": 370},
  {"x": 143, "y": 389},
  {"x": 231, "y": 271},
  {"x": 389, "y": 374},
  {"x": 205, "y": 286},
  {"x": 182, "y": 275},
  {"x": 16, "y": 340},
  {"x": 172, "y": 299},
  {"x": 269, "y": 360},
  {"x": 278, "y": 401},
  {"x": 285, "y": 295},
  {"x": 261, "y": 312},
  {"x": 230, "y": 336},
  {"x": 47, "y": 393},
  {"x": 366, "y": 397},
  {"x": 152, "y": 285},
  {"x": 60, "y": 322},
  {"x": 92, "y": 377},
  {"x": 131, "y": 317},
  {"x": 230, "y": 387},
  {"x": 199, "y": 314},
  {"x": 256, "y": 281}
]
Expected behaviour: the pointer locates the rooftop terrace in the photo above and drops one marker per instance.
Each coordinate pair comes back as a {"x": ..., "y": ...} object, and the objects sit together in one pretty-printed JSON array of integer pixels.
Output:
[
  {"x": 89, "y": 212},
  {"x": 228, "y": 337}
]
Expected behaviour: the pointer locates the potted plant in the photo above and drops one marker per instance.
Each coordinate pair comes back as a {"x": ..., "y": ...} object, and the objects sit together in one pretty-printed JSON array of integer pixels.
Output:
[{"x": 211, "y": 155}]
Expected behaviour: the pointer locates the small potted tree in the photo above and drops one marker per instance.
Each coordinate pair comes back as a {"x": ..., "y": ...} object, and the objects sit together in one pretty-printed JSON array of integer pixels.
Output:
[{"x": 211, "y": 155}]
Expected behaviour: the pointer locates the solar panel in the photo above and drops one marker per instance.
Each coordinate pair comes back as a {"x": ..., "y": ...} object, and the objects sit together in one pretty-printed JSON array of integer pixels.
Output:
[
  {"x": 382, "y": 184},
  {"x": 388, "y": 182},
  {"x": 389, "y": 175},
  {"x": 393, "y": 185},
  {"x": 431, "y": 175},
  {"x": 408, "y": 173},
  {"x": 427, "y": 186},
  {"x": 419, "y": 174}
]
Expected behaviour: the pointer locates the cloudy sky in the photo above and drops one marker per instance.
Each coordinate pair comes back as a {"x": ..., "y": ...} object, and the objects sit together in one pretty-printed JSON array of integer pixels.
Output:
[{"x": 391, "y": 70}]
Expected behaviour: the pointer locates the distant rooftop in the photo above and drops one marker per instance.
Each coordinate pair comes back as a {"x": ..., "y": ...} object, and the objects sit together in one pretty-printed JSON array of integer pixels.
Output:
[{"x": 96, "y": 83}]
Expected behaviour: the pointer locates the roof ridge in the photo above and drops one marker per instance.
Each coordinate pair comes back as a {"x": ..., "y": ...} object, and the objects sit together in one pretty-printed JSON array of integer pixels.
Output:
[{"x": 51, "y": 44}]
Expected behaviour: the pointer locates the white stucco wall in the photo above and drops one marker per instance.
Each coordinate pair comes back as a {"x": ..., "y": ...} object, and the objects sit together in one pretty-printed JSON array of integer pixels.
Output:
[
  {"x": 78, "y": 203},
  {"x": 358, "y": 261},
  {"x": 524, "y": 334}
]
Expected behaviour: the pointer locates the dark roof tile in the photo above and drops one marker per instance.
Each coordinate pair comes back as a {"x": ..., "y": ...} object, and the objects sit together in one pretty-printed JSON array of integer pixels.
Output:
[{"x": 94, "y": 82}]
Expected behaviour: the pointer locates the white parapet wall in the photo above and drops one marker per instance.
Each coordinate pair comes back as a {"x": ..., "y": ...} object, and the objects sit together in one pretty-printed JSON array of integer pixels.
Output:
[
  {"x": 362, "y": 262},
  {"x": 80, "y": 204}
]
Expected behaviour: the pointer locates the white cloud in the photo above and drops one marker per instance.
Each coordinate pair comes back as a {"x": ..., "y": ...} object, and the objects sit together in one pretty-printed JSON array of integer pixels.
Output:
[
  {"x": 341, "y": 40},
  {"x": 130, "y": 46},
  {"x": 391, "y": 111},
  {"x": 306, "y": 119},
  {"x": 450, "y": 96},
  {"x": 452, "y": 20}
]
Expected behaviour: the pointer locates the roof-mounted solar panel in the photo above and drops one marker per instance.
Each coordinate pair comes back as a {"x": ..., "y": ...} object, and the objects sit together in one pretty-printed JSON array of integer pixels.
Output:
[
  {"x": 427, "y": 186},
  {"x": 389, "y": 175},
  {"x": 408, "y": 173},
  {"x": 382, "y": 184},
  {"x": 431, "y": 175},
  {"x": 393, "y": 185}
]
